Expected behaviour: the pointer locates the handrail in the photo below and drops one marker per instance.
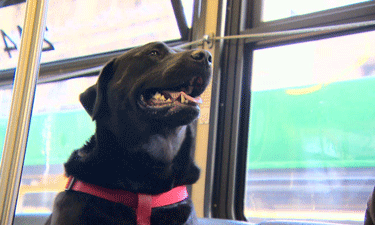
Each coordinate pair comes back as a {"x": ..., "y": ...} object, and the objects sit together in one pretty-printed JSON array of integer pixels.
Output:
[
  {"x": 22, "y": 102},
  {"x": 254, "y": 37}
]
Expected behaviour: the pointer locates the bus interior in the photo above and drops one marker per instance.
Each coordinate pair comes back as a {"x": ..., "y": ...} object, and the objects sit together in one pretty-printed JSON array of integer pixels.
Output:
[{"x": 286, "y": 133}]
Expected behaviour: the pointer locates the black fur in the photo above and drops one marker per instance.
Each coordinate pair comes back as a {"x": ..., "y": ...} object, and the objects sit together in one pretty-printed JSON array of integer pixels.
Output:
[
  {"x": 370, "y": 211},
  {"x": 137, "y": 148}
]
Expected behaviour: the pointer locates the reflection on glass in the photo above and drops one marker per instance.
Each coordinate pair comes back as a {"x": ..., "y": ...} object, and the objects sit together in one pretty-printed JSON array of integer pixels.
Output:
[
  {"x": 312, "y": 122},
  {"x": 276, "y": 9}
]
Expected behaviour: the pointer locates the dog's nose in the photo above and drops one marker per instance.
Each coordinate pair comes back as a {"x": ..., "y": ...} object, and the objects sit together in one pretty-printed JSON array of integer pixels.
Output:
[{"x": 202, "y": 56}]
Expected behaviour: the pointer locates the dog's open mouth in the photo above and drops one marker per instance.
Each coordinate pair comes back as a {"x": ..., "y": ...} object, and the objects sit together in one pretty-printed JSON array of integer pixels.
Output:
[
  {"x": 172, "y": 99},
  {"x": 166, "y": 98}
]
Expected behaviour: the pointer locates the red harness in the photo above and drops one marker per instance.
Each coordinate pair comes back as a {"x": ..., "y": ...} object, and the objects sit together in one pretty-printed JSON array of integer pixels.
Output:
[{"x": 141, "y": 203}]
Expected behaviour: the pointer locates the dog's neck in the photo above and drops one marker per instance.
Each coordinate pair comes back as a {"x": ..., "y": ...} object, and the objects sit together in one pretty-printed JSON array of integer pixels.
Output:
[
  {"x": 160, "y": 142},
  {"x": 164, "y": 146},
  {"x": 152, "y": 164}
]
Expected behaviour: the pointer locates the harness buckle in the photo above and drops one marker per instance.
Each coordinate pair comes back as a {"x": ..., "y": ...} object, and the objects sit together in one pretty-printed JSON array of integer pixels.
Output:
[{"x": 70, "y": 183}]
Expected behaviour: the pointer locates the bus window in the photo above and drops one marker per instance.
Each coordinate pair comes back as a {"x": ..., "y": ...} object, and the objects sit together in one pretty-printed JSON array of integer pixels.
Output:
[
  {"x": 86, "y": 27},
  {"x": 311, "y": 145},
  {"x": 59, "y": 125},
  {"x": 5, "y": 100},
  {"x": 76, "y": 30},
  {"x": 57, "y": 116}
]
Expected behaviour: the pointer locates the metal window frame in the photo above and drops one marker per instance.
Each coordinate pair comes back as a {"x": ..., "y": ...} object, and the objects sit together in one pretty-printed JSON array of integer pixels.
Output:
[
  {"x": 180, "y": 18},
  {"x": 336, "y": 16},
  {"x": 230, "y": 108},
  {"x": 222, "y": 180}
]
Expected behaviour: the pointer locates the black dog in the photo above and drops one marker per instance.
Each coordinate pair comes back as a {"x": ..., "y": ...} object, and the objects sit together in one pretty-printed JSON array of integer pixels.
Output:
[{"x": 144, "y": 105}]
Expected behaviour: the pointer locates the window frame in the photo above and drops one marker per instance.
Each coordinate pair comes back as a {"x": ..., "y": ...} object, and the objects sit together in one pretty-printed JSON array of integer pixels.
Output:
[{"x": 230, "y": 109}]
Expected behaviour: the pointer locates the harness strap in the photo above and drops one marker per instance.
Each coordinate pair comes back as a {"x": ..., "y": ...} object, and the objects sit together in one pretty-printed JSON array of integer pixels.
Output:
[
  {"x": 141, "y": 203},
  {"x": 144, "y": 209}
]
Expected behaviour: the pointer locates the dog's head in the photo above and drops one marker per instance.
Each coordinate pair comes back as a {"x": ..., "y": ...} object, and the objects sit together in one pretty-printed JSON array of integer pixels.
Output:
[{"x": 152, "y": 84}]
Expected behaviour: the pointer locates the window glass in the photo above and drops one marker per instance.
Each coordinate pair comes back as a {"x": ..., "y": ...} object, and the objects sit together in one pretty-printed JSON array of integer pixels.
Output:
[
  {"x": 188, "y": 9},
  {"x": 74, "y": 28},
  {"x": 276, "y": 9},
  {"x": 59, "y": 125},
  {"x": 57, "y": 118},
  {"x": 311, "y": 145},
  {"x": 78, "y": 28},
  {"x": 5, "y": 101}
]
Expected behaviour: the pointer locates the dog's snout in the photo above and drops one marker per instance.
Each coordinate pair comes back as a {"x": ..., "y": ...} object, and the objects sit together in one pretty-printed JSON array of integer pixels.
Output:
[{"x": 202, "y": 56}]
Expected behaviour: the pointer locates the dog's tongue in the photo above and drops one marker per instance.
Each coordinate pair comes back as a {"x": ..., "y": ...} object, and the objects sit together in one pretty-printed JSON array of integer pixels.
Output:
[{"x": 183, "y": 97}]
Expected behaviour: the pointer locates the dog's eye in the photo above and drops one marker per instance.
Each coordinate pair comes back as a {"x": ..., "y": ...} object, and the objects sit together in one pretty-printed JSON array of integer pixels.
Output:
[{"x": 154, "y": 53}]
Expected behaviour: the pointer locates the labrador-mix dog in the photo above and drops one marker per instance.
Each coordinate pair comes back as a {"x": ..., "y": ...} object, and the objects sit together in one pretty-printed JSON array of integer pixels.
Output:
[{"x": 135, "y": 167}]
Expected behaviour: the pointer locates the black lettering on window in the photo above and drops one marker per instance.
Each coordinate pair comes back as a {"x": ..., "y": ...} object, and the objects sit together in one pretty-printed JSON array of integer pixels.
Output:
[
  {"x": 49, "y": 46},
  {"x": 10, "y": 45}
]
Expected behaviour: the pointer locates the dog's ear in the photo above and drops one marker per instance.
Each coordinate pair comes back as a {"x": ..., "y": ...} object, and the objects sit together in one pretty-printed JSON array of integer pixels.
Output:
[
  {"x": 93, "y": 99},
  {"x": 87, "y": 99}
]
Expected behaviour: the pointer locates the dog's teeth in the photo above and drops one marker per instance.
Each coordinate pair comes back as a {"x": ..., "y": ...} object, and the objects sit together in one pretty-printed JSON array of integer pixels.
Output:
[
  {"x": 182, "y": 99},
  {"x": 175, "y": 95},
  {"x": 157, "y": 95},
  {"x": 161, "y": 97}
]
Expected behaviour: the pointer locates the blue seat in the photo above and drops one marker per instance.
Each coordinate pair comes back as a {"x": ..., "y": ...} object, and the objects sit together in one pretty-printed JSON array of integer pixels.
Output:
[
  {"x": 211, "y": 221},
  {"x": 286, "y": 222},
  {"x": 41, "y": 218},
  {"x": 33, "y": 219}
]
